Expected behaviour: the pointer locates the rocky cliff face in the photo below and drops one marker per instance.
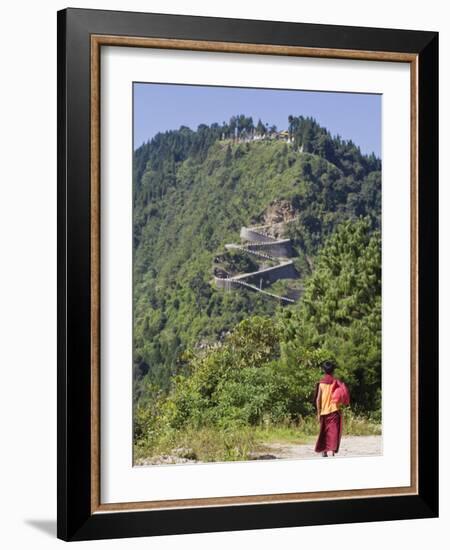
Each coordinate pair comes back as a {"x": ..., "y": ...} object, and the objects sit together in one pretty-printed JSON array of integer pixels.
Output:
[{"x": 276, "y": 216}]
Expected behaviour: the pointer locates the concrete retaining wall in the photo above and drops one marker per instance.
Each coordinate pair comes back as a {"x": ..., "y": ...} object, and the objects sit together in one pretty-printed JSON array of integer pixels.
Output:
[
  {"x": 248, "y": 234},
  {"x": 271, "y": 275},
  {"x": 278, "y": 249}
]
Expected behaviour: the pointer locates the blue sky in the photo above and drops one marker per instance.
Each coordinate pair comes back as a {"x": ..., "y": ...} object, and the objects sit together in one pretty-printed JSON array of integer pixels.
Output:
[{"x": 161, "y": 107}]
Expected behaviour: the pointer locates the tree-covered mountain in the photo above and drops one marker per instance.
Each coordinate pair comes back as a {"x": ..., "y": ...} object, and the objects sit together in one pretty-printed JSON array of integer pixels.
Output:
[
  {"x": 193, "y": 190},
  {"x": 266, "y": 368}
]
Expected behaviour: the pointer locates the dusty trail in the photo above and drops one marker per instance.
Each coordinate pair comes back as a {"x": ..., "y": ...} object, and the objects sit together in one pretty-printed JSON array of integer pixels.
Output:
[
  {"x": 370, "y": 445},
  {"x": 351, "y": 446}
]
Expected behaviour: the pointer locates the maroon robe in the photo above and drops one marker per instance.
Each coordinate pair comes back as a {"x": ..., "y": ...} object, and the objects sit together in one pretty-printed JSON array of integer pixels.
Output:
[{"x": 330, "y": 432}]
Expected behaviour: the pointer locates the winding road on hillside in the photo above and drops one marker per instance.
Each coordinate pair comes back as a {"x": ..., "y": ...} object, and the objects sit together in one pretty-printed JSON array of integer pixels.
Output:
[{"x": 258, "y": 243}]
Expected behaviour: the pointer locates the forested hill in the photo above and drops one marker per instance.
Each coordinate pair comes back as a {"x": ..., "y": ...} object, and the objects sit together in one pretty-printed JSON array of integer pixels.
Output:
[{"x": 193, "y": 190}]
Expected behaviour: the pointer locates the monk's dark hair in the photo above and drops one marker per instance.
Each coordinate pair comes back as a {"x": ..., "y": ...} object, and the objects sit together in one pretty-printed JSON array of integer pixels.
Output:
[{"x": 328, "y": 366}]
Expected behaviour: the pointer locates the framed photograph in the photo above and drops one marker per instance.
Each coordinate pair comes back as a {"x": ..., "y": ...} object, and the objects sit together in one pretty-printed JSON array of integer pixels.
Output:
[{"x": 247, "y": 257}]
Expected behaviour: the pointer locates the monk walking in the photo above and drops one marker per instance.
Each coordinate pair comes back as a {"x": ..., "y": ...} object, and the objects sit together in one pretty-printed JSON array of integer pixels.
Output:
[{"x": 330, "y": 394}]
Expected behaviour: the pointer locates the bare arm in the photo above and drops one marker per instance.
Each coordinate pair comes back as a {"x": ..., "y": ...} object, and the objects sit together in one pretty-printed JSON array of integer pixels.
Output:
[{"x": 319, "y": 403}]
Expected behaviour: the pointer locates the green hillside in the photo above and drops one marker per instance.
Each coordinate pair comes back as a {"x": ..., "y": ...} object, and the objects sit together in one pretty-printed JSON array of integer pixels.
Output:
[{"x": 193, "y": 191}]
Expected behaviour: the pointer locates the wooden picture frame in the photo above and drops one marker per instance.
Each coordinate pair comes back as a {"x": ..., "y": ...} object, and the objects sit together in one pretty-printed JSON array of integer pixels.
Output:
[{"x": 81, "y": 35}]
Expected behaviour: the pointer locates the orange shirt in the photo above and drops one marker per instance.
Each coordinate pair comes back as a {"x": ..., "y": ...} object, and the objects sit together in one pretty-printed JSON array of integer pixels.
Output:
[{"x": 326, "y": 406}]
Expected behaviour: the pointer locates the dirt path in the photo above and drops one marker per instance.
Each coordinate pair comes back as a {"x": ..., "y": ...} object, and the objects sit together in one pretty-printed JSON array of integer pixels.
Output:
[{"x": 370, "y": 445}]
